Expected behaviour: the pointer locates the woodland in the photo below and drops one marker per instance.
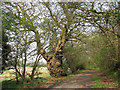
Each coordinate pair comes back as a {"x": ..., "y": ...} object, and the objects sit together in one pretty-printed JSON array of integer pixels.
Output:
[{"x": 69, "y": 36}]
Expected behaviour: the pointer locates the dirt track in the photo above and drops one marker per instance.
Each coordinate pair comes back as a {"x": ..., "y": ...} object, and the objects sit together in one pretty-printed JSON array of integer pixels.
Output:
[{"x": 83, "y": 80}]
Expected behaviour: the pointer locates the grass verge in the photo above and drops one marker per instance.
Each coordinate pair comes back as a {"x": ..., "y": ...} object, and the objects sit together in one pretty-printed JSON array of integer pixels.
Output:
[
  {"x": 98, "y": 82},
  {"x": 38, "y": 82}
]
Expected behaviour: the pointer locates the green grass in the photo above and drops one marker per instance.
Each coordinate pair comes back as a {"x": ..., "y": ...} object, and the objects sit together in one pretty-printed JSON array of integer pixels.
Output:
[
  {"x": 5, "y": 73},
  {"x": 114, "y": 75},
  {"x": 97, "y": 82},
  {"x": 67, "y": 77},
  {"x": 5, "y": 79},
  {"x": 95, "y": 78},
  {"x": 11, "y": 84},
  {"x": 80, "y": 71},
  {"x": 73, "y": 73},
  {"x": 7, "y": 83},
  {"x": 93, "y": 69}
]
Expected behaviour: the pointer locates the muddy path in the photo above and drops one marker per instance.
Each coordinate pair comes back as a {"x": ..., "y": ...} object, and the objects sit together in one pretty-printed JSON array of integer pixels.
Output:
[{"x": 83, "y": 80}]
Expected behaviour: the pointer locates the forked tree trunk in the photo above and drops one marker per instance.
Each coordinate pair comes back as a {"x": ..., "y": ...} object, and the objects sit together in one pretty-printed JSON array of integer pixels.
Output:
[
  {"x": 34, "y": 67},
  {"x": 54, "y": 62}
]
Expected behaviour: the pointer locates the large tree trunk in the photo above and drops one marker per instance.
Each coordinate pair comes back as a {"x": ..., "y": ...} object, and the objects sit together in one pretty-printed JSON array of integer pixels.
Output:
[
  {"x": 119, "y": 34},
  {"x": 55, "y": 66},
  {"x": 54, "y": 62},
  {"x": 119, "y": 45}
]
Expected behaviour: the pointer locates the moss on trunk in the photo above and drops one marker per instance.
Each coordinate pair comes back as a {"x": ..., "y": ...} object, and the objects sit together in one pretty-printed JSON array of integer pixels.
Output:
[{"x": 54, "y": 66}]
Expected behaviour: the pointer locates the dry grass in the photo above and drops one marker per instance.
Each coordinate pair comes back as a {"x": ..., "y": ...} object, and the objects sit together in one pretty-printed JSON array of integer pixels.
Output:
[{"x": 10, "y": 74}]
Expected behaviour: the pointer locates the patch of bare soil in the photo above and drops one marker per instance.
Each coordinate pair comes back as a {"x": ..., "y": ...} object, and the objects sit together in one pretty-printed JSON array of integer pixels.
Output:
[{"x": 83, "y": 80}]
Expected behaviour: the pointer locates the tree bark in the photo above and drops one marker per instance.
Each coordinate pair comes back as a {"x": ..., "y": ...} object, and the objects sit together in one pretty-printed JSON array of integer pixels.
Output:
[
  {"x": 119, "y": 34},
  {"x": 34, "y": 67},
  {"x": 54, "y": 64},
  {"x": 24, "y": 67},
  {"x": 54, "y": 41},
  {"x": 119, "y": 44}
]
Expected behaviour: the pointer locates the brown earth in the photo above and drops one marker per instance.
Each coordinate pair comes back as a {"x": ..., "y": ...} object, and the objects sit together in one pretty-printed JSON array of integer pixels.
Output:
[{"x": 83, "y": 80}]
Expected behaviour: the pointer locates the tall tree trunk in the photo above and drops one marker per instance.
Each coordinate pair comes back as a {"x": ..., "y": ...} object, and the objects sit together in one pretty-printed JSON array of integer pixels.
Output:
[
  {"x": 118, "y": 64},
  {"x": 34, "y": 67},
  {"x": 54, "y": 64},
  {"x": 119, "y": 45},
  {"x": 16, "y": 63},
  {"x": 54, "y": 41},
  {"x": 15, "y": 66},
  {"x": 119, "y": 34},
  {"x": 24, "y": 67}
]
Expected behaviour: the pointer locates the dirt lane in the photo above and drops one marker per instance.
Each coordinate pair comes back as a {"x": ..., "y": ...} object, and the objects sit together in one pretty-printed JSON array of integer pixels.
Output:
[{"x": 83, "y": 80}]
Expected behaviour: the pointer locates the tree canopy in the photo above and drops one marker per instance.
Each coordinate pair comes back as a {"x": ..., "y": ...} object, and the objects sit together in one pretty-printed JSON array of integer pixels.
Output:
[{"x": 51, "y": 25}]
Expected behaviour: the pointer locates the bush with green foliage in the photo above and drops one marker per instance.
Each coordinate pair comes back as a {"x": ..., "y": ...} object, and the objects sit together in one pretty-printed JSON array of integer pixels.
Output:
[
  {"x": 74, "y": 57},
  {"x": 6, "y": 49},
  {"x": 106, "y": 59}
]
